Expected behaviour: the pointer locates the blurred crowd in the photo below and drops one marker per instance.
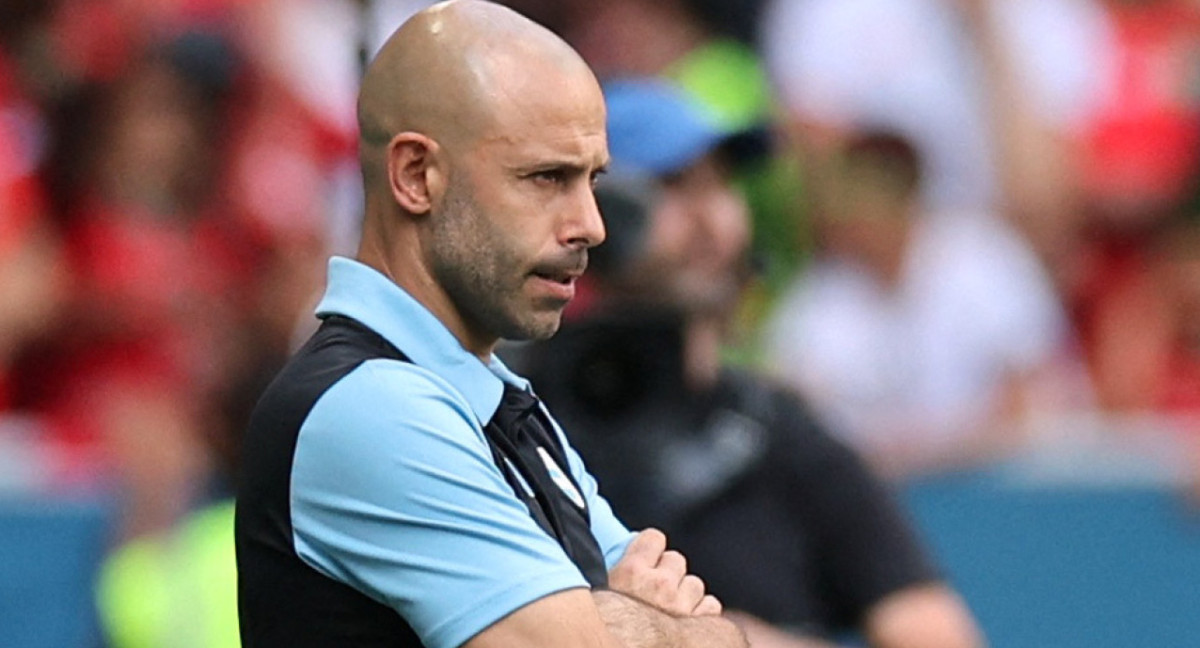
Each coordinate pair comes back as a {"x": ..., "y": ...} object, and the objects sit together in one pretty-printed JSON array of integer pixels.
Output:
[
  {"x": 166, "y": 205},
  {"x": 978, "y": 224}
]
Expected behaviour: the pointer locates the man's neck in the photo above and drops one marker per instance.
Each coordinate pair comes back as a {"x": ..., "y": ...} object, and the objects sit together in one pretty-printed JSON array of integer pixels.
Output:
[
  {"x": 702, "y": 337},
  {"x": 419, "y": 283}
]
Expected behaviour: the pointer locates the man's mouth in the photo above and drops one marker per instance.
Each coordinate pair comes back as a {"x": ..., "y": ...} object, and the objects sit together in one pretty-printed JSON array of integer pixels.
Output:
[
  {"x": 557, "y": 281},
  {"x": 562, "y": 273},
  {"x": 564, "y": 277}
]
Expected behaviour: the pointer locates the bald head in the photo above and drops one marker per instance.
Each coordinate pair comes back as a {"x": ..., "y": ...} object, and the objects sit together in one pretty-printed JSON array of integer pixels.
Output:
[
  {"x": 482, "y": 135},
  {"x": 456, "y": 72}
]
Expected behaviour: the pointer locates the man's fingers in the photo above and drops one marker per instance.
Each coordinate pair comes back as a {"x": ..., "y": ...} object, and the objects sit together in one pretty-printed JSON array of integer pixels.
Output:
[
  {"x": 653, "y": 574},
  {"x": 673, "y": 563},
  {"x": 691, "y": 594},
  {"x": 708, "y": 606},
  {"x": 647, "y": 547}
]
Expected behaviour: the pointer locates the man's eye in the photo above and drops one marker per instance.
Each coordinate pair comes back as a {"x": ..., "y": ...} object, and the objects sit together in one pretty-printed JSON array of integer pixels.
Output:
[{"x": 551, "y": 176}]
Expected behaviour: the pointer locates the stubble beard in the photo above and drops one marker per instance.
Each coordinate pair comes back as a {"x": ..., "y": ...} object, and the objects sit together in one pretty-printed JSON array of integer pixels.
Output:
[{"x": 482, "y": 275}]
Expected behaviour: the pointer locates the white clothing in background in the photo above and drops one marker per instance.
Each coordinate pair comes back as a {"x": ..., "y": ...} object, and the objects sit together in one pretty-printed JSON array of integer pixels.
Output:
[{"x": 925, "y": 357}]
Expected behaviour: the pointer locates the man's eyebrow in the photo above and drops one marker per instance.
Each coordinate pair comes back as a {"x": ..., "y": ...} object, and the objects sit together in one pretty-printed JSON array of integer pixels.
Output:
[{"x": 570, "y": 166}]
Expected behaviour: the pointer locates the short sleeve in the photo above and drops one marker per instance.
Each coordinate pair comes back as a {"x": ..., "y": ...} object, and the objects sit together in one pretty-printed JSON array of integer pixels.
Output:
[
  {"x": 394, "y": 492},
  {"x": 863, "y": 542}
]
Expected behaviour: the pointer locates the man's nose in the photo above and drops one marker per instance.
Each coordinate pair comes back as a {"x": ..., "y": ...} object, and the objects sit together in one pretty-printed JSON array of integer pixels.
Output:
[{"x": 585, "y": 225}]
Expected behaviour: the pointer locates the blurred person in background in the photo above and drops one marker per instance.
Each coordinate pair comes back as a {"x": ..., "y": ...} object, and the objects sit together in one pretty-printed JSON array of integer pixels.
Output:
[
  {"x": 155, "y": 271},
  {"x": 174, "y": 273},
  {"x": 31, "y": 281},
  {"x": 31, "y": 288},
  {"x": 182, "y": 581},
  {"x": 1163, "y": 374},
  {"x": 928, "y": 339},
  {"x": 709, "y": 48},
  {"x": 32, "y": 291},
  {"x": 993, "y": 93},
  {"x": 193, "y": 188},
  {"x": 642, "y": 37},
  {"x": 783, "y": 522},
  {"x": 272, "y": 202},
  {"x": 1140, "y": 179}
]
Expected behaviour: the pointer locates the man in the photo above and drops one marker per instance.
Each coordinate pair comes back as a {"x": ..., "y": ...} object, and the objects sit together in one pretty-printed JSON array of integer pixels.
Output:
[
  {"x": 400, "y": 486},
  {"x": 784, "y": 523},
  {"x": 929, "y": 341}
]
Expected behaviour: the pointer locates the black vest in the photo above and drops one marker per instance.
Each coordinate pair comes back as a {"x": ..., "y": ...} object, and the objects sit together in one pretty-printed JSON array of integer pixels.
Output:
[{"x": 284, "y": 602}]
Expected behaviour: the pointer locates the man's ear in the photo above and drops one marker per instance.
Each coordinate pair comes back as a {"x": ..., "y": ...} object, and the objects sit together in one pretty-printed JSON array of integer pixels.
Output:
[{"x": 413, "y": 177}]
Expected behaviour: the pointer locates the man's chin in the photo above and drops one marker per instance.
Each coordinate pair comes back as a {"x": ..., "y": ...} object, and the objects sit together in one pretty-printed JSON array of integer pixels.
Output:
[
  {"x": 541, "y": 326},
  {"x": 546, "y": 331}
]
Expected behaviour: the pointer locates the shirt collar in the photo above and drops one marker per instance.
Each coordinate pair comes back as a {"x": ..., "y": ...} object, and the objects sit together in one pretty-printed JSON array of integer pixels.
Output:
[{"x": 360, "y": 292}]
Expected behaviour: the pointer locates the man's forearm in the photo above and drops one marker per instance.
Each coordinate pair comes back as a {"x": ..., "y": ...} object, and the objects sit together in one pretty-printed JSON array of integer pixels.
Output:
[{"x": 638, "y": 625}]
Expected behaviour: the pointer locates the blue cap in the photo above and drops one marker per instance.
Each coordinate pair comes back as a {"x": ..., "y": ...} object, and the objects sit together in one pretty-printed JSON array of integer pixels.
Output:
[{"x": 655, "y": 127}]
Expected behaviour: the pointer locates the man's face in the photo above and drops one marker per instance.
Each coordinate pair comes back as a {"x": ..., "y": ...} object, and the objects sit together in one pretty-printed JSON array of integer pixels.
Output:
[
  {"x": 699, "y": 233},
  {"x": 512, "y": 234}
]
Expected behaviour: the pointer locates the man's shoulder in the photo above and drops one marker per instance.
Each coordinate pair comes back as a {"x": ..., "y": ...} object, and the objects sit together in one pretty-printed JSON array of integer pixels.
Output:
[
  {"x": 786, "y": 418},
  {"x": 758, "y": 393},
  {"x": 348, "y": 372},
  {"x": 389, "y": 391}
]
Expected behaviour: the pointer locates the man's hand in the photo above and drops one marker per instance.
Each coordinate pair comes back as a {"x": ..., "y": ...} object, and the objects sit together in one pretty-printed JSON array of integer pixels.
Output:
[{"x": 657, "y": 576}]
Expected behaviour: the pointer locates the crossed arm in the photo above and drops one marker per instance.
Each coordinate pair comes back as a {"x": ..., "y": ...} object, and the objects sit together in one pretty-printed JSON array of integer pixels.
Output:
[{"x": 652, "y": 603}]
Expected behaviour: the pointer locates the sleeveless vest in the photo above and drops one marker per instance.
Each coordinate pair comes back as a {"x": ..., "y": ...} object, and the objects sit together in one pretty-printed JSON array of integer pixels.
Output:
[{"x": 284, "y": 602}]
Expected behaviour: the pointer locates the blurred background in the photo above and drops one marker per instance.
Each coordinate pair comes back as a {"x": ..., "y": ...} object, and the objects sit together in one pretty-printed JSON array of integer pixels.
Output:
[{"x": 975, "y": 252}]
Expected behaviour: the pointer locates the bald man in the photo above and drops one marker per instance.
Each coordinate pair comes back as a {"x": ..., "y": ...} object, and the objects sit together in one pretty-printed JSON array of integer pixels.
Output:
[{"x": 400, "y": 486}]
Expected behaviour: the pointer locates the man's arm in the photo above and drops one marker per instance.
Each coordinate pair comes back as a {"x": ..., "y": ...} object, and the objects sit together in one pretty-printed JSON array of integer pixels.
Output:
[
  {"x": 922, "y": 616},
  {"x": 569, "y": 618},
  {"x": 636, "y": 624},
  {"x": 886, "y": 579},
  {"x": 654, "y": 603},
  {"x": 926, "y": 616},
  {"x": 578, "y": 618}
]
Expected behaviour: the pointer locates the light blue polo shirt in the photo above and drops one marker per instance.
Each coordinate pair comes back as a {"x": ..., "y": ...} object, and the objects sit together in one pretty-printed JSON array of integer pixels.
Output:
[{"x": 394, "y": 490}]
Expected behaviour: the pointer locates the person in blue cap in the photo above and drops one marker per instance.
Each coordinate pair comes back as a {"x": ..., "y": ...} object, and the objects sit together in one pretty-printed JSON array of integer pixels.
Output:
[{"x": 784, "y": 523}]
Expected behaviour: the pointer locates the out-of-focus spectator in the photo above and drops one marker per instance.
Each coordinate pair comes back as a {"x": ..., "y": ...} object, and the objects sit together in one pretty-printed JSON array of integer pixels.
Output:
[
  {"x": 926, "y": 338},
  {"x": 785, "y": 524},
  {"x": 277, "y": 201},
  {"x": 194, "y": 183},
  {"x": 159, "y": 589},
  {"x": 1176, "y": 351},
  {"x": 156, "y": 277},
  {"x": 31, "y": 292},
  {"x": 992, "y": 93},
  {"x": 1146, "y": 336},
  {"x": 1143, "y": 134},
  {"x": 302, "y": 169},
  {"x": 182, "y": 581},
  {"x": 707, "y": 47},
  {"x": 1141, "y": 170},
  {"x": 30, "y": 278}
]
